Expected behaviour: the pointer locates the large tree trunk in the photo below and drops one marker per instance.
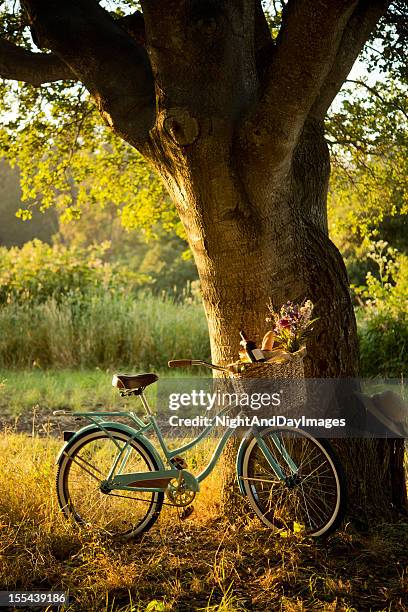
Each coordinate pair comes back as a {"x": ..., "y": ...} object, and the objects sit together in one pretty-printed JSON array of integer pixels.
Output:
[{"x": 245, "y": 258}]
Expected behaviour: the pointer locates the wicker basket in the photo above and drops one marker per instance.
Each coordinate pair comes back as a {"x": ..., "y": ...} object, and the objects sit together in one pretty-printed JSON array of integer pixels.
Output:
[{"x": 287, "y": 368}]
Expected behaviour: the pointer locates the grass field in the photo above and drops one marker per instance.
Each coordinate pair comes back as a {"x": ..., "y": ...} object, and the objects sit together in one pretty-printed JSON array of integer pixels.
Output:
[
  {"x": 24, "y": 393},
  {"x": 20, "y": 391},
  {"x": 199, "y": 564}
]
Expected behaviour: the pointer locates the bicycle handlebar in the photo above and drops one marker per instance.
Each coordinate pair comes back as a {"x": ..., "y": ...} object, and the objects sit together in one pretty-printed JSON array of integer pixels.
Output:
[
  {"x": 179, "y": 363},
  {"x": 184, "y": 363}
]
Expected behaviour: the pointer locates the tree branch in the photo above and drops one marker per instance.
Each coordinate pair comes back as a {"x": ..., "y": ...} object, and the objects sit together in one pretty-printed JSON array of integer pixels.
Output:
[
  {"x": 134, "y": 25},
  {"x": 376, "y": 93},
  {"x": 20, "y": 64},
  {"x": 360, "y": 25},
  {"x": 203, "y": 55},
  {"x": 264, "y": 44},
  {"x": 306, "y": 46},
  {"x": 104, "y": 57}
]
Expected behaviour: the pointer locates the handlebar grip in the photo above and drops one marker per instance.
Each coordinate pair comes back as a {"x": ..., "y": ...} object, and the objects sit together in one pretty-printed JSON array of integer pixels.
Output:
[{"x": 179, "y": 363}]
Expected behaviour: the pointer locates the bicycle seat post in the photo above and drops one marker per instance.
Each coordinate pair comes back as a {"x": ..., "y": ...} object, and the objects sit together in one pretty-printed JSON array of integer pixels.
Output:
[{"x": 145, "y": 403}]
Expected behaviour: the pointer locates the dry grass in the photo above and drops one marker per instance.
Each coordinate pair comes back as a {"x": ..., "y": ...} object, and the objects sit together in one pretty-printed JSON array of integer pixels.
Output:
[{"x": 200, "y": 564}]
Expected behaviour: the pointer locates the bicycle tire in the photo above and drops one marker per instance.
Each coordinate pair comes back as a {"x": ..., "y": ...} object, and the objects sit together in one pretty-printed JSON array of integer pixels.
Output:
[
  {"x": 75, "y": 508},
  {"x": 292, "y": 517}
]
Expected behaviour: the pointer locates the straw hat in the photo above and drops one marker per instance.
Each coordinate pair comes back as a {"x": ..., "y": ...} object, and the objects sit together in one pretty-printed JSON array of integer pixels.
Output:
[{"x": 389, "y": 409}]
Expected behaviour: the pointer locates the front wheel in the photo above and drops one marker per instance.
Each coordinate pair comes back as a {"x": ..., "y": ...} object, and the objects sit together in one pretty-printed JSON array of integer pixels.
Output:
[
  {"x": 311, "y": 498},
  {"x": 86, "y": 463}
]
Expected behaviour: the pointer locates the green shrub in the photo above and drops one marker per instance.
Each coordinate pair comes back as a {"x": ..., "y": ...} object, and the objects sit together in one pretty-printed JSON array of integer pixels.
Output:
[
  {"x": 383, "y": 344},
  {"x": 38, "y": 272},
  {"x": 382, "y": 316}
]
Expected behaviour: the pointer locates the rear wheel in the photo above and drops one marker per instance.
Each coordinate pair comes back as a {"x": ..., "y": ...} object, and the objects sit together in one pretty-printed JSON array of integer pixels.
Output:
[
  {"x": 83, "y": 467},
  {"x": 311, "y": 499}
]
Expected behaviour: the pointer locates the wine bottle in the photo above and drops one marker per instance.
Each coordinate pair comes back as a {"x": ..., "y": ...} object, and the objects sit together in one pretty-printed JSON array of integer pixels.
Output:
[{"x": 254, "y": 354}]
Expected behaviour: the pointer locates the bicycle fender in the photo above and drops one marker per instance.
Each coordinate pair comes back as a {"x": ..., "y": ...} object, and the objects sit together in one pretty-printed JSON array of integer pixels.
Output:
[
  {"x": 132, "y": 433},
  {"x": 239, "y": 464}
]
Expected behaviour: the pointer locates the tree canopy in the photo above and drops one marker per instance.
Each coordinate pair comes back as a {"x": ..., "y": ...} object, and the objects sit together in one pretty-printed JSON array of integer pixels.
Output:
[{"x": 51, "y": 119}]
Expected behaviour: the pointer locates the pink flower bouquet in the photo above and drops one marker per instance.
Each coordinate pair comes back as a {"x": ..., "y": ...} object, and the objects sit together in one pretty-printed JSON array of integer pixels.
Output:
[{"x": 292, "y": 324}]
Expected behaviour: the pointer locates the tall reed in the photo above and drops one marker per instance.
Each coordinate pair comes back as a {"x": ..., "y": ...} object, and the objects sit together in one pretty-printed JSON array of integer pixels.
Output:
[{"x": 101, "y": 330}]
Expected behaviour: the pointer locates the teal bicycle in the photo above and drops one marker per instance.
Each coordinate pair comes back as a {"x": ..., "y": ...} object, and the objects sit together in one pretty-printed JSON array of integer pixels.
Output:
[{"x": 111, "y": 477}]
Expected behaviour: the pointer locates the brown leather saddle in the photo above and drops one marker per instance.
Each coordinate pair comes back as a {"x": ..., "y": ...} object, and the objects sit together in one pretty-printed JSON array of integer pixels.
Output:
[{"x": 133, "y": 383}]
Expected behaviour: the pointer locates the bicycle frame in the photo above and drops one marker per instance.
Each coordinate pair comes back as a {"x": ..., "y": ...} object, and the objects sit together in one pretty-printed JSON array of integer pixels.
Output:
[{"x": 118, "y": 480}]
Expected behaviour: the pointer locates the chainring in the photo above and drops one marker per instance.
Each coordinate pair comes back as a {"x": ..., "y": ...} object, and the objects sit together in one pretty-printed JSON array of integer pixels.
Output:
[{"x": 178, "y": 494}]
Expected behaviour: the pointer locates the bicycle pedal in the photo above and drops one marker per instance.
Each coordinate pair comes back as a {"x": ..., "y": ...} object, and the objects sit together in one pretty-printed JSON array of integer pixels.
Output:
[
  {"x": 186, "y": 512},
  {"x": 179, "y": 463}
]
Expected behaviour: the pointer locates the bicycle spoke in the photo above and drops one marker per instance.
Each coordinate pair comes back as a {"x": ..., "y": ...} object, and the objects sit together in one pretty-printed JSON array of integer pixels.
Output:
[
  {"x": 259, "y": 479},
  {"x": 77, "y": 461}
]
